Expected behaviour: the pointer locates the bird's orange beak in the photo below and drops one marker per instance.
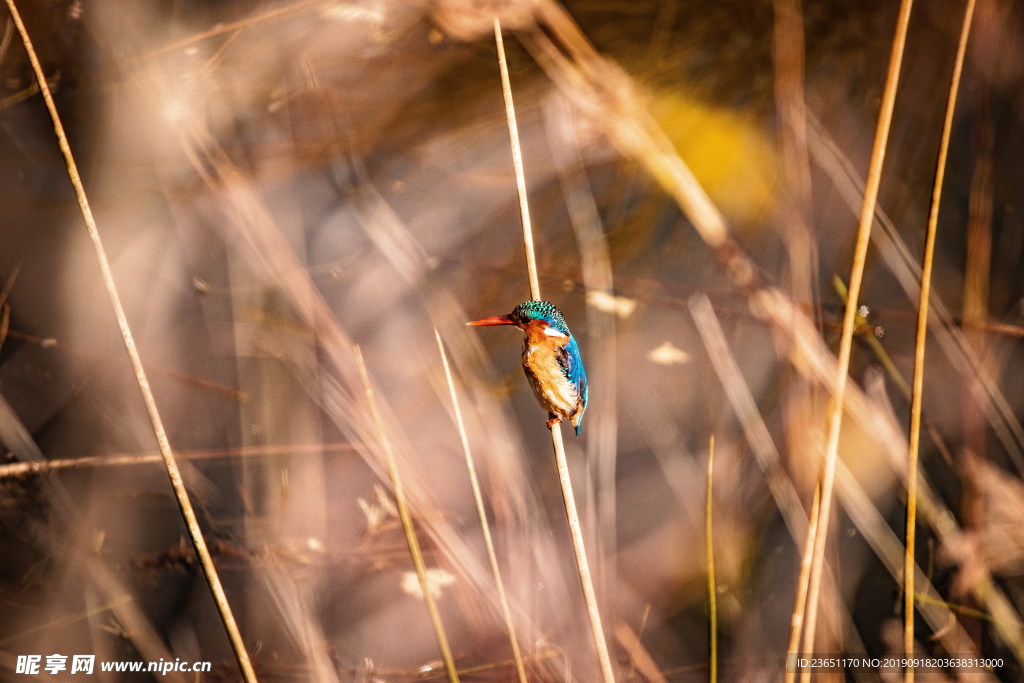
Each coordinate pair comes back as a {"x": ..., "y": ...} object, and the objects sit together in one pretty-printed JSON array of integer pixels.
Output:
[{"x": 496, "y": 320}]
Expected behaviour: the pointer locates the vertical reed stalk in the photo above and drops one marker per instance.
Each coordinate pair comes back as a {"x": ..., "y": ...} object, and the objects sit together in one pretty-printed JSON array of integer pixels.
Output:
[
  {"x": 919, "y": 346},
  {"x": 128, "y": 339},
  {"x": 517, "y": 162},
  {"x": 580, "y": 551},
  {"x": 478, "y": 498},
  {"x": 572, "y": 516},
  {"x": 835, "y": 418},
  {"x": 796, "y": 619},
  {"x": 709, "y": 553},
  {"x": 406, "y": 519}
]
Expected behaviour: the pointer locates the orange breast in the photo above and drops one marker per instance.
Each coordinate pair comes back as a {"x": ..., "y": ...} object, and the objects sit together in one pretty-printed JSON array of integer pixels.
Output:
[{"x": 552, "y": 388}]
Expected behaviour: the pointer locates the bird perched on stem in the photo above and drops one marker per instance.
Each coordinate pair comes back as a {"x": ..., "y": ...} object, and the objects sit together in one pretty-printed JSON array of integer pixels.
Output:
[{"x": 551, "y": 360}]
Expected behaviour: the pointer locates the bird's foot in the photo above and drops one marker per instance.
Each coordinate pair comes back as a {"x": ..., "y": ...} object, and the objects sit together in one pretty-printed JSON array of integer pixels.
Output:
[{"x": 553, "y": 421}]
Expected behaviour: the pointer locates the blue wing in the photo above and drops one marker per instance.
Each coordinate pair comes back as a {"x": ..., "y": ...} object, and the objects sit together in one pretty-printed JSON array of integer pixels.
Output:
[{"x": 572, "y": 365}]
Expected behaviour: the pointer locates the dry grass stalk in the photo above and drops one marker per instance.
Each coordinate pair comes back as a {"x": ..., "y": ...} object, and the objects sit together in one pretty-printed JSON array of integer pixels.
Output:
[
  {"x": 407, "y": 526},
  {"x": 13, "y": 470},
  {"x": 565, "y": 481},
  {"x": 173, "y": 472},
  {"x": 816, "y": 544},
  {"x": 579, "y": 550},
  {"x": 478, "y": 498},
  {"x": 709, "y": 554},
  {"x": 517, "y": 162},
  {"x": 919, "y": 346}
]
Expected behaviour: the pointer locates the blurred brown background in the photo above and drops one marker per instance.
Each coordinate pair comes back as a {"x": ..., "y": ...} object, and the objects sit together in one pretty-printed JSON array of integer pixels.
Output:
[{"x": 278, "y": 181}]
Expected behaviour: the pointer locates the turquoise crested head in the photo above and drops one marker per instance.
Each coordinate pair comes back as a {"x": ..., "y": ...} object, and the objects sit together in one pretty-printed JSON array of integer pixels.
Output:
[{"x": 540, "y": 310}]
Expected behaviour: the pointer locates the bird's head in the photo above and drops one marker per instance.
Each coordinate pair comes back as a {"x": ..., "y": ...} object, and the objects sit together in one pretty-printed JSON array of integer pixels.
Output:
[{"x": 537, "y": 313}]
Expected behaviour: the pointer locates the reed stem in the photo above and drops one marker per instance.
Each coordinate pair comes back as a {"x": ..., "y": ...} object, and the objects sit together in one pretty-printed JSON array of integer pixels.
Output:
[
  {"x": 919, "y": 346},
  {"x": 709, "y": 552},
  {"x": 478, "y": 498}
]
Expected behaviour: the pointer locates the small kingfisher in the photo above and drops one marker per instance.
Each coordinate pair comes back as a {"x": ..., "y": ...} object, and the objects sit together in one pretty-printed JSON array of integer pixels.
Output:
[{"x": 551, "y": 360}]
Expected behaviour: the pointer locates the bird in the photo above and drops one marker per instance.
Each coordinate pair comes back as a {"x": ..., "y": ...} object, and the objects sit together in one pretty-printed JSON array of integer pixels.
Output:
[{"x": 551, "y": 360}]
